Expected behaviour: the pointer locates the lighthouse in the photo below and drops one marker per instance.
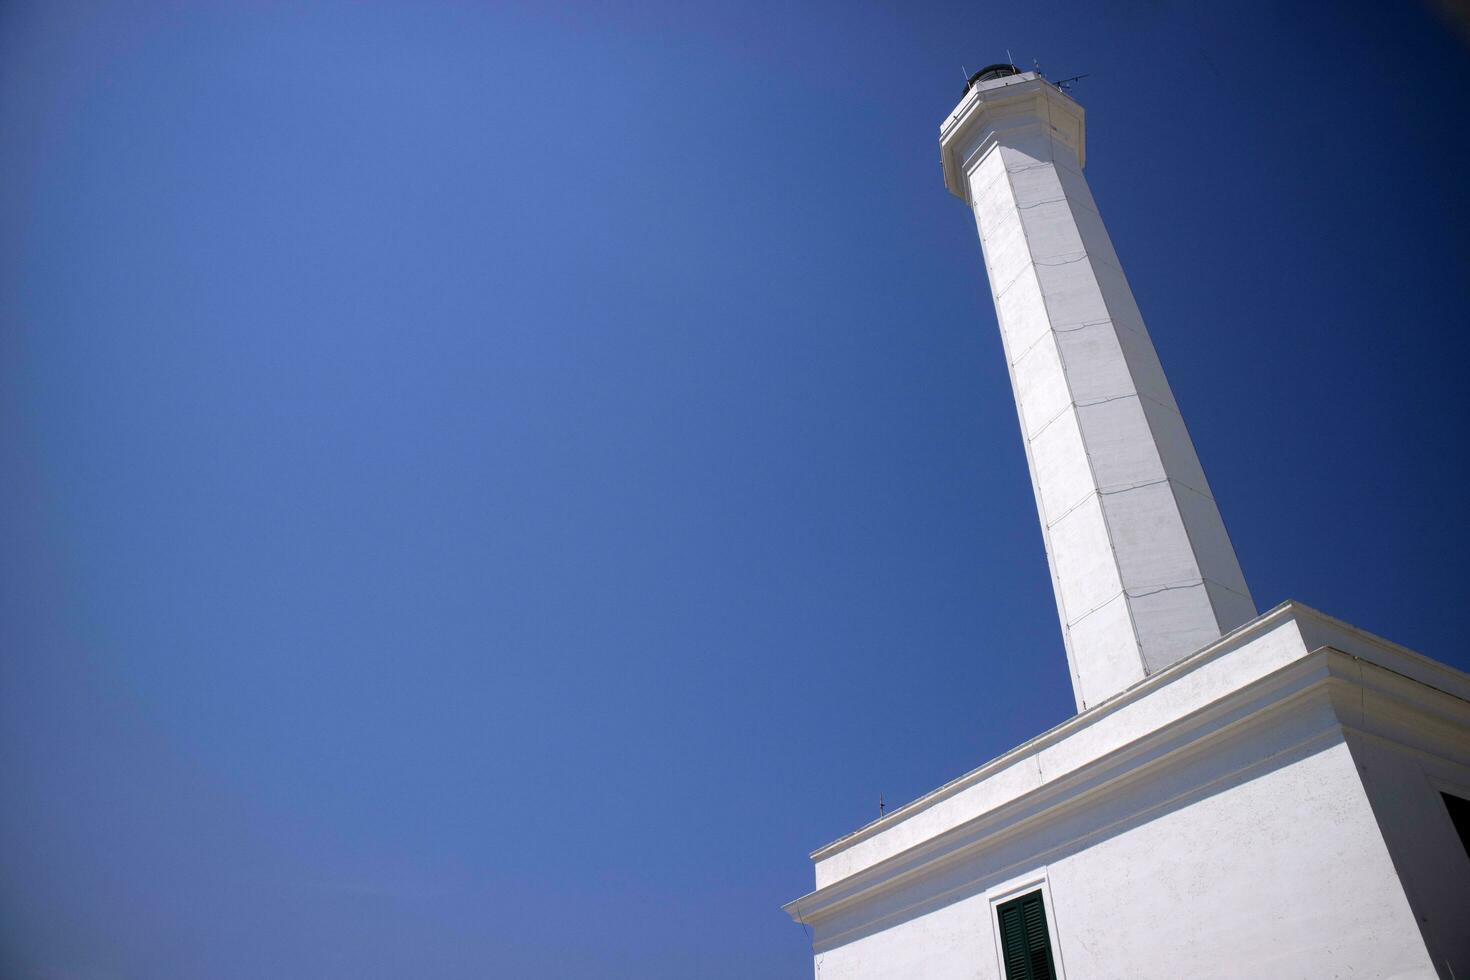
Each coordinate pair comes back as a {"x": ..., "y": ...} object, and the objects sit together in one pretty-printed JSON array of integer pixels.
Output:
[
  {"x": 1240, "y": 794},
  {"x": 1141, "y": 564}
]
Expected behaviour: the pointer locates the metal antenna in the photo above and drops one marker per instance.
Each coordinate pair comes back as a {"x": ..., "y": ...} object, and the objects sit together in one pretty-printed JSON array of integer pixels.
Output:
[{"x": 882, "y": 806}]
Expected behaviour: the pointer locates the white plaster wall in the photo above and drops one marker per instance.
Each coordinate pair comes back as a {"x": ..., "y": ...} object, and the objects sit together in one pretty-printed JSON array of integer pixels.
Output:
[
  {"x": 1405, "y": 766},
  {"x": 944, "y": 943},
  {"x": 1282, "y": 875}
]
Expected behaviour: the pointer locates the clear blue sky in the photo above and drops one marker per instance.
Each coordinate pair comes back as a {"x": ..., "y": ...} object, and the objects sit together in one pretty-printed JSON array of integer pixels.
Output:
[{"x": 487, "y": 489}]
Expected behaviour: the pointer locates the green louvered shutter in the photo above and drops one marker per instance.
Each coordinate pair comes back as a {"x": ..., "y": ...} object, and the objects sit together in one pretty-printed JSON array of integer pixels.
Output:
[
  {"x": 1025, "y": 943},
  {"x": 1460, "y": 817}
]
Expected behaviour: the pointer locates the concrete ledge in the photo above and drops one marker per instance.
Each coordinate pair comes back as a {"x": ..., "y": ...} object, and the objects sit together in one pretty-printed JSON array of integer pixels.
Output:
[{"x": 1283, "y": 658}]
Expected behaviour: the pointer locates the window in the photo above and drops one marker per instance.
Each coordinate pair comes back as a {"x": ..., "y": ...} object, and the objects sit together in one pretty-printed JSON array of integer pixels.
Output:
[
  {"x": 1025, "y": 942},
  {"x": 1460, "y": 817}
]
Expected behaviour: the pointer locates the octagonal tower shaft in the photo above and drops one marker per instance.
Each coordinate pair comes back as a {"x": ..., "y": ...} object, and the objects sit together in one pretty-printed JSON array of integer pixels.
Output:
[{"x": 1143, "y": 570}]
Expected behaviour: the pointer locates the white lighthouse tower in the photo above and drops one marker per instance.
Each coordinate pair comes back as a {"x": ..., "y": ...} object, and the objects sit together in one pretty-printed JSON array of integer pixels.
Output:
[
  {"x": 1239, "y": 795},
  {"x": 1142, "y": 567}
]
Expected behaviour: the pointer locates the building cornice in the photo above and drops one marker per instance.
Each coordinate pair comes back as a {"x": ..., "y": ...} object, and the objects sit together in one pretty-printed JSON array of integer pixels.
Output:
[
  {"x": 1320, "y": 696},
  {"x": 1193, "y": 705},
  {"x": 1229, "y": 641}
]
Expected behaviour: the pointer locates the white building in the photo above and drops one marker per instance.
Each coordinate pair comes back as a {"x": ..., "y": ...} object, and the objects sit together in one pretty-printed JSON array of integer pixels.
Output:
[{"x": 1239, "y": 796}]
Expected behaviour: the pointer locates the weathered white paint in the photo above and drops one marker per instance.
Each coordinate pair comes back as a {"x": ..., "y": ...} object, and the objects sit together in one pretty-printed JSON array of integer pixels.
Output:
[
  {"x": 1266, "y": 807},
  {"x": 1142, "y": 567}
]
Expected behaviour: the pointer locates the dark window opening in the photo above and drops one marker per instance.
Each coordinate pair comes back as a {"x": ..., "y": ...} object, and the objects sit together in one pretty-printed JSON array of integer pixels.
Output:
[
  {"x": 1460, "y": 817},
  {"x": 1025, "y": 943}
]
